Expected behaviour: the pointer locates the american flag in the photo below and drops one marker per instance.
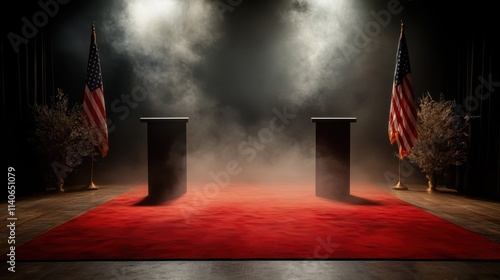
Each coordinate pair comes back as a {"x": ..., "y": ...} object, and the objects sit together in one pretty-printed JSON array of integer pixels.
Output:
[
  {"x": 403, "y": 114},
  {"x": 94, "y": 108}
]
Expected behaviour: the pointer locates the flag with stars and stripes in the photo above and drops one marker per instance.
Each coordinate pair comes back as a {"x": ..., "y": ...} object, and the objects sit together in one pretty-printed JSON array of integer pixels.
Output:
[
  {"x": 403, "y": 113},
  {"x": 94, "y": 108}
]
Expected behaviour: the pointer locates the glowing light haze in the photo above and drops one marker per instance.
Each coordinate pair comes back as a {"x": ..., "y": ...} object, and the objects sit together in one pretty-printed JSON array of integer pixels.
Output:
[{"x": 229, "y": 75}]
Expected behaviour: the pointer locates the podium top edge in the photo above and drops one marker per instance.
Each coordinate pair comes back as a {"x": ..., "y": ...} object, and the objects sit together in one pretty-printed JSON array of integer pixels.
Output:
[
  {"x": 333, "y": 119},
  {"x": 152, "y": 119}
]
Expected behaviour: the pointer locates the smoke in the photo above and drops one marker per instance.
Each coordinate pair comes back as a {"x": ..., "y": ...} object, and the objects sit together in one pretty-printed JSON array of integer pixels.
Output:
[
  {"x": 165, "y": 41},
  {"x": 231, "y": 73},
  {"x": 316, "y": 34}
]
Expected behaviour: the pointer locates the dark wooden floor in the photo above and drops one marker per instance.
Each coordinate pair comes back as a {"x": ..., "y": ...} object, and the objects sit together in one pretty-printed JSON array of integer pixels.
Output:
[{"x": 38, "y": 214}]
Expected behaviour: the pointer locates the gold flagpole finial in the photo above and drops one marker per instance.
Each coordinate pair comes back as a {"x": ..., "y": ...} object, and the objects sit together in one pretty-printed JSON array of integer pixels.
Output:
[
  {"x": 402, "y": 29},
  {"x": 93, "y": 32}
]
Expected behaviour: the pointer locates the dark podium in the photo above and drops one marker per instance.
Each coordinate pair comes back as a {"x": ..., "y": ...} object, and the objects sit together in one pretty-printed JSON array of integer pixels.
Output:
[
  {"x": 167, "y": 164},
  {"x": 333, "y": 156}
]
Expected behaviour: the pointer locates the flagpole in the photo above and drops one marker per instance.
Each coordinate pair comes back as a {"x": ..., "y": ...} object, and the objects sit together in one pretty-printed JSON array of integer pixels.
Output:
[
  {"x": 402, "y": 125},
  {"x": 399, "y": 185},
  {"x": 92, "y": 186},
  {"x": 93, "y": 103}
]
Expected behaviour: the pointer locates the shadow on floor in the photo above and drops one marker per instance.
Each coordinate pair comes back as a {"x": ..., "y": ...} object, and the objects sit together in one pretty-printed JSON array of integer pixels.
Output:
[
  {"x": 354, "y": 200},
  {"x": 150, "y": 201}
]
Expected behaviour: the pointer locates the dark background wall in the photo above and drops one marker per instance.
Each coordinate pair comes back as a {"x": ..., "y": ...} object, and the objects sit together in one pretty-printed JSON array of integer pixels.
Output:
[{"x": 453, "y": 50}]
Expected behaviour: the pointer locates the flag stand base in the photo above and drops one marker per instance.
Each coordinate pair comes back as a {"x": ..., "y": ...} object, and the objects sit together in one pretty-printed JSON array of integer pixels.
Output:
[
  {"x": 399, "y": 186},
  {"x": 92, "y": 186}
]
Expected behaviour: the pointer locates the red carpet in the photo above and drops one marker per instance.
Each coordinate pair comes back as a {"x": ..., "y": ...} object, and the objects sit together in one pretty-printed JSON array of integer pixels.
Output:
[{"x": 259, "y": 222}]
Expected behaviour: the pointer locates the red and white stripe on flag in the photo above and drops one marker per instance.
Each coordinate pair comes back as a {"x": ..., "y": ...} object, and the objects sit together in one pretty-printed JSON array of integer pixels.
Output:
[
  {"x": 94, "y": 108},
  {"x": 403, "y": 113}
]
